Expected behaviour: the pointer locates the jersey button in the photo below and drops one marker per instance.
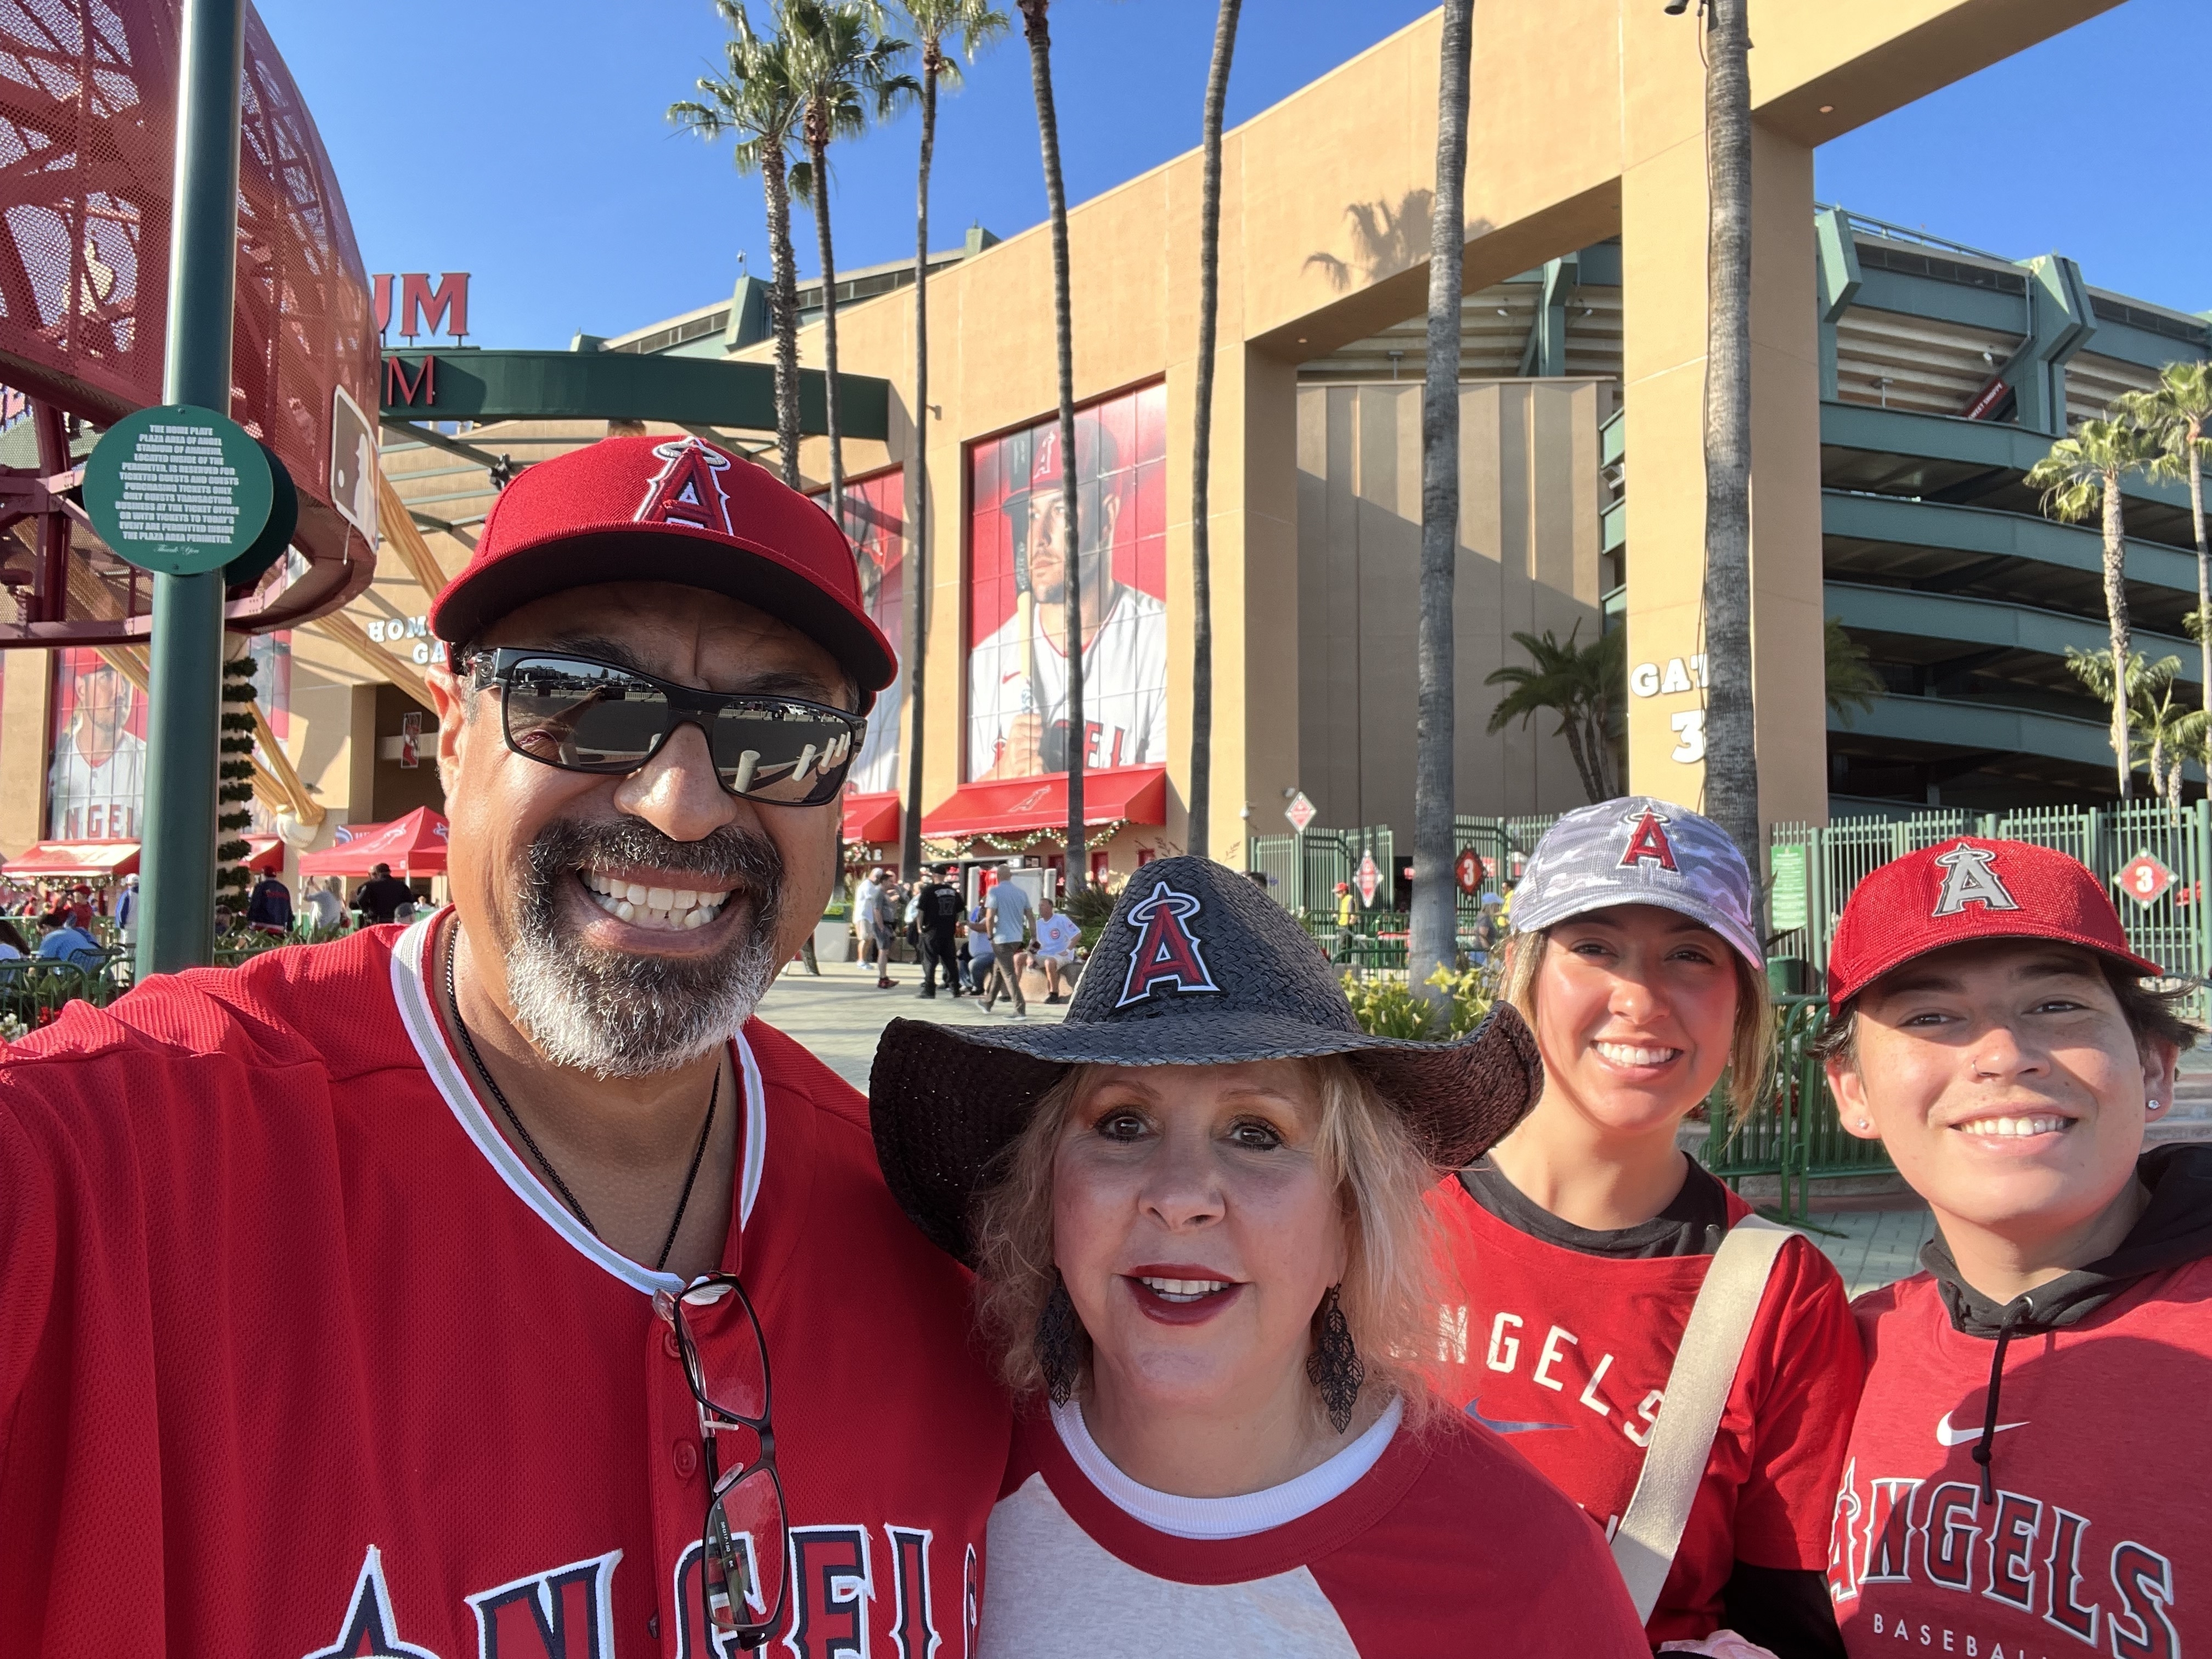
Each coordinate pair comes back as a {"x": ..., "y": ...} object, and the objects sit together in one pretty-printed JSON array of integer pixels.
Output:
[{"x": 686, "y": 1459}]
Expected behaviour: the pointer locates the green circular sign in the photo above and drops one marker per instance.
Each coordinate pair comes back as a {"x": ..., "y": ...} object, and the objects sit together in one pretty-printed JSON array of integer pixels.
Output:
[{"x": 177, "y": 489}]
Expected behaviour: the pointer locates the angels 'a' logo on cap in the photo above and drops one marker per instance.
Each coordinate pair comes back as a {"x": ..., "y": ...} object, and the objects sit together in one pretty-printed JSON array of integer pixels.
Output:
[
  {"x": 1044, "y": 463},
  {"x": 1648, "y": 842},
  {"x": 688, "y": 489},
  {"x": 1166, "y": 953},
  {"x": 1969, "y": 877}
]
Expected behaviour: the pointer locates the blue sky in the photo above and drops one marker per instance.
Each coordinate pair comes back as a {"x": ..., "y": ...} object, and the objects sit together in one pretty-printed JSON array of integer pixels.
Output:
[{"x": 525, "y": 141}]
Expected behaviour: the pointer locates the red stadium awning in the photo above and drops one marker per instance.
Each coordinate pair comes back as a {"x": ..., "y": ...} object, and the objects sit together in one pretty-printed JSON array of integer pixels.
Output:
[
  {"x": 1130, "y": 794},
  {"x": 872, "y": 820},
  {"x": 412, "y": 846},
  {"x": 97, "y": 861}
]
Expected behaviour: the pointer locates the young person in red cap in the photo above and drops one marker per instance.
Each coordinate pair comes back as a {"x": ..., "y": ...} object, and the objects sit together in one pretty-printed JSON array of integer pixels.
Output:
[
  {"x": 2027, "y": 1467},
  {"x": 1594, "y": 1252},
  {"x": 419, "y": 1293}
]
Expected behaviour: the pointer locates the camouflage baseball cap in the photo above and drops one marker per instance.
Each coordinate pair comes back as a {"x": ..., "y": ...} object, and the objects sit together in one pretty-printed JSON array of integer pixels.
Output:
[{"x": 1636, "y": 850}]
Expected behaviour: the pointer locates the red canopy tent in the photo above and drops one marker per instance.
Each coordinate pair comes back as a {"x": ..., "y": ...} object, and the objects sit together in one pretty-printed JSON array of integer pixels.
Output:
[
  {"x": 85, "y": 860},
  {"x": 265, "y": 853},
  {"x": 872, "y": 820},
  {"x": 412, "y": 846}
]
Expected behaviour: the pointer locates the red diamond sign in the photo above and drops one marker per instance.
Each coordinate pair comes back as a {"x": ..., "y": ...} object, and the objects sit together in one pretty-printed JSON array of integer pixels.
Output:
[
  {"x": 1368, "y": 880},
  {"x": 1301, "y": 812},
  {"x": 2144, "y": 879},
  {"x": 1468, "y": 869}
]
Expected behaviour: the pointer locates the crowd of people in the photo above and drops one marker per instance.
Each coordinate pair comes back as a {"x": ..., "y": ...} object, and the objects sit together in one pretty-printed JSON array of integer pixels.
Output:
[
  {"x": 980, "y": 949},
  {"x": 497, "y": 1281}
]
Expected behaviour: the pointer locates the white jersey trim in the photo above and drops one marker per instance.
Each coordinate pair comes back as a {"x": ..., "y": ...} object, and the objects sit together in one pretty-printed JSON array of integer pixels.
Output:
[
  {"x": 428, "y": 1034},
  {"x": 1225, "y": 1517}
]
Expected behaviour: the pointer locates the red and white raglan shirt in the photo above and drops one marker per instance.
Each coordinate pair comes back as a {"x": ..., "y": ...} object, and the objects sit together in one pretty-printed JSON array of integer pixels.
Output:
[
  {"x": 1403, "y": 1543},
  {"x": 1565, "y": 1345},
  {"x": 2098, "y": 1539},
  {"x": 297, "y": 1357}
]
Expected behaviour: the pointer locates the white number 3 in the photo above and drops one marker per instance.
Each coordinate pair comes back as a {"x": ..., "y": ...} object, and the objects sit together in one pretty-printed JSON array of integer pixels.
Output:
[{"x": 1690, "y": 726}]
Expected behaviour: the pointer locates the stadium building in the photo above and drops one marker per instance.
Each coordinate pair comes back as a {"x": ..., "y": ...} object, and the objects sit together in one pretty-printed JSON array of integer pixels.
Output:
[{"x": 1902, "y": 386}]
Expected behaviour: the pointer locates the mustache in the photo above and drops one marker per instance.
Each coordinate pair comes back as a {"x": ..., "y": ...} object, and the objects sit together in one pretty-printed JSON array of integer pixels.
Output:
[{"x": 731, "y": 857}]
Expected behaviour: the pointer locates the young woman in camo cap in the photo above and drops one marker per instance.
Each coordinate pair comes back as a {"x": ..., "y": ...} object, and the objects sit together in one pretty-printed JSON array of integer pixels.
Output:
[
  {"x": 1584, "y": 1236},
  {"x": 1197, "y": 1211}
]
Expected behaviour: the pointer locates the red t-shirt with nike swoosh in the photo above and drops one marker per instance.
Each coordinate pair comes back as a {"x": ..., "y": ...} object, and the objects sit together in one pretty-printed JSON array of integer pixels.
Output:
[
  {"x": 1567, "y": 1354},
  {"x": 2099, "y": 1524}
]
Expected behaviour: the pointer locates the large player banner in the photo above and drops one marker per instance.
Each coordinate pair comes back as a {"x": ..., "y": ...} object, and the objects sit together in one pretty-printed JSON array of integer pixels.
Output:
[
  {"x": 1016, "y": 605},
  {"x": 875, "y": 519},
  {"x": 96, "y": 788}
]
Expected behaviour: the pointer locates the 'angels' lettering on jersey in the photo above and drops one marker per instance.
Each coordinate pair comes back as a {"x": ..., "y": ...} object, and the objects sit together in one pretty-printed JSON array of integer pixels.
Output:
[
  {"x": 2096, "y": 1517},
  {"x": 568, "y": 1612}
]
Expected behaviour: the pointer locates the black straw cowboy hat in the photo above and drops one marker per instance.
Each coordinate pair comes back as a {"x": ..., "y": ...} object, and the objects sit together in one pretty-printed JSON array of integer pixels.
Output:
[{"x": 1196, "y": 967}]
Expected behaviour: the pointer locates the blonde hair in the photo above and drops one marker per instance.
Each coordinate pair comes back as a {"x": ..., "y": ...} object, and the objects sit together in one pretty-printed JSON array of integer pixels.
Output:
[
  {"x": 1392, "y": 1293},
  {"x": 1751, "y": 1048}
]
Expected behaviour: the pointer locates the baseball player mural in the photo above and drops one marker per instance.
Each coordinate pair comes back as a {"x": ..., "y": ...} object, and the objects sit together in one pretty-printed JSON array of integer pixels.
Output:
[
  {"x": 96, "y": 789},
  {"x": 1018, "y": 626},
  {"x": 875, "y": 519}
]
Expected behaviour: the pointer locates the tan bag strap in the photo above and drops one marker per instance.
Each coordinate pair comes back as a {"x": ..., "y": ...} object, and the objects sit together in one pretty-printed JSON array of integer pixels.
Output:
[{"x": 1698, "y": 1387}]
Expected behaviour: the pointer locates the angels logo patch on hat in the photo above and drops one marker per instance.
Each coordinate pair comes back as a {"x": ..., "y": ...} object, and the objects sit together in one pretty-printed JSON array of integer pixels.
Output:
[
  {"x": 1166, "y": 954},
  {"x": 688, "y": 489},
  {"x": 1639, "y": 850},
  {"x": 1647, "y": 841},
  {"x": 1966, "y": 889}
]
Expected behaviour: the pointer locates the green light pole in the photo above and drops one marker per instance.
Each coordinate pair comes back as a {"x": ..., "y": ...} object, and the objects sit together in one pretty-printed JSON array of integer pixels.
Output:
[{"x": 177, "y": 858}]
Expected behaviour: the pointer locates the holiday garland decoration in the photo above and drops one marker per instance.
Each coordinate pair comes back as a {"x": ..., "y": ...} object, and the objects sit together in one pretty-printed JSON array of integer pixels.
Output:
[{"x": 234, "y": 785}]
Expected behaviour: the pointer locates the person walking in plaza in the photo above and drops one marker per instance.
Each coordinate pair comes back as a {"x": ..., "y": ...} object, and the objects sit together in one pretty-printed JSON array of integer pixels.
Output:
[
  {"x": 126, "y": 912},
  {"x": 1992, "y": 1025},
  {"x": 869, "y": 905},
  {"x": 979, "y": 946},
  {"x": 1056, "y": 949},
  {"x": 1586, "y": 1239},
  {"x": 269, "y": 906},
  {"x": 1205, "y": 1263},
  {"x": 381, "y": 897},
  {"x": 937, "y": 915},
  {"x": 1007, "y": 914},
  {"x": 501, "y": 1284}
]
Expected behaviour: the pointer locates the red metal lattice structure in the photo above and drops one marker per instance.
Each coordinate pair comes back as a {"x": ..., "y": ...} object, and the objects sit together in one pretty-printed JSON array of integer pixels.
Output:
[{"x": 87, "y": 91}]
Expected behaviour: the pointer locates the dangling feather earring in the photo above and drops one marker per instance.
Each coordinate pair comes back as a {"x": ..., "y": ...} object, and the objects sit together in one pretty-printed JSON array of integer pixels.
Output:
[
  {"x": 1059, "y": 1346},
  {"x": 1333, "y": 1367}
]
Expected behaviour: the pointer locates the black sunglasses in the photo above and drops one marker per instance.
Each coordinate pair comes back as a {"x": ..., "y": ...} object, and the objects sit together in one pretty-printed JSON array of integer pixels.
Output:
[
  {"x": 741, "y": 1573},
  {"x": 583, "y": 716}
]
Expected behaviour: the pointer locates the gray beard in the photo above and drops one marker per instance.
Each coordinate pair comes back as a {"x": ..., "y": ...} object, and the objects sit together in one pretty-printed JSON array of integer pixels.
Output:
[{"x": 615, "y": 1014}]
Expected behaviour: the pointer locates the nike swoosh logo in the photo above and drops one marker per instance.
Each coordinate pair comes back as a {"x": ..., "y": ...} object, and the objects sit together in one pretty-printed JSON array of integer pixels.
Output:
[
  {"x": 1948, "y": 1436},
  {"x": 1497, "y": 1427}
]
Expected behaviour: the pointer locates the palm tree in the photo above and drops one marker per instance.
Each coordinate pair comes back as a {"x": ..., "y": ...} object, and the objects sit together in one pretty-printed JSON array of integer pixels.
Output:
[
  {"x": 1731, "y": 757},
  {"x": 2082, "y": 475},
  {"x": 2165, "y": 735},
  {"x": 756, "y": 101},
  {"x": 2175, "y": 413},
  {"x": 1434, "y": 922},
  {"x": 1582, "y": 684},
  {"x": 1851, "y": 680},
  {"x": 846, "y": 72},
  {"x": 1034, "y": 29},
  {"x": 968, "y": 25},
  {"x": 1201, "y": 451}
]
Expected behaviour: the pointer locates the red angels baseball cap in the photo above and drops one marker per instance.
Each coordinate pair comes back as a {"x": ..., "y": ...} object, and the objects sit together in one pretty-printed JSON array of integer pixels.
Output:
[
  {"x": 1964, "y": 889},
  {"x": 672, "y": 510}
]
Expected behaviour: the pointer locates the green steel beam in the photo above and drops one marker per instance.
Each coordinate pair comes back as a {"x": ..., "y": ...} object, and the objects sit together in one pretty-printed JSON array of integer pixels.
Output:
[
  {"x": 1836, "y": 251},
  {"x": 1991, "y": 623},
  {"x": 1998, "y": 445},
  {"x": 1952, "y": 723},
  {"x": 184, "y": 672},
  {"x": 1993, "y": 533},
  {"x": 465, "y": 384}
]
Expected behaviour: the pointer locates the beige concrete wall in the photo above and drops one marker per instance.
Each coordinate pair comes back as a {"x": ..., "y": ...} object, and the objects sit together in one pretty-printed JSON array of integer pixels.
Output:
[
  {"x": 26, "y": 689},
  {"x": 1527, "y": 563}
]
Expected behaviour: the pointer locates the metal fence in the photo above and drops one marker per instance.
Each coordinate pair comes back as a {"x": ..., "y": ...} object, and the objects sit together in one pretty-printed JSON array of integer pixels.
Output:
[{"x": 2161, "y": 902}]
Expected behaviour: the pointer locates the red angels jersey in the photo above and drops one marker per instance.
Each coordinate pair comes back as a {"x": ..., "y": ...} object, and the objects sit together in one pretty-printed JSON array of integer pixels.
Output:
[
  {"x": 298, "y": 1360},
  {"x": 2100, "y": 1523},
  {"x": 1567, "y": 1355},
  {"x": 1125, "y": 678},
  {"x": 1447, "y": 1543}
]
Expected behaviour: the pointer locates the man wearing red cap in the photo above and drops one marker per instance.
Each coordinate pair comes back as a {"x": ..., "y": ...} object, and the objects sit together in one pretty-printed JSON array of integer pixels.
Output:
[
  {"x": 2025, "y": 1476},
  {"x": 1018, "y": 678},
  {"x": 420, "y": 1294}
]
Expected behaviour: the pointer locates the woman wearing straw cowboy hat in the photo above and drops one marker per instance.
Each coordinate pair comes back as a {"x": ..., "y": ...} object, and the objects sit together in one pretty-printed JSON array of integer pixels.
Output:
[
  {"x": 1586, "y": 1239},
  {"x": 1197, "y": 1212}
]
